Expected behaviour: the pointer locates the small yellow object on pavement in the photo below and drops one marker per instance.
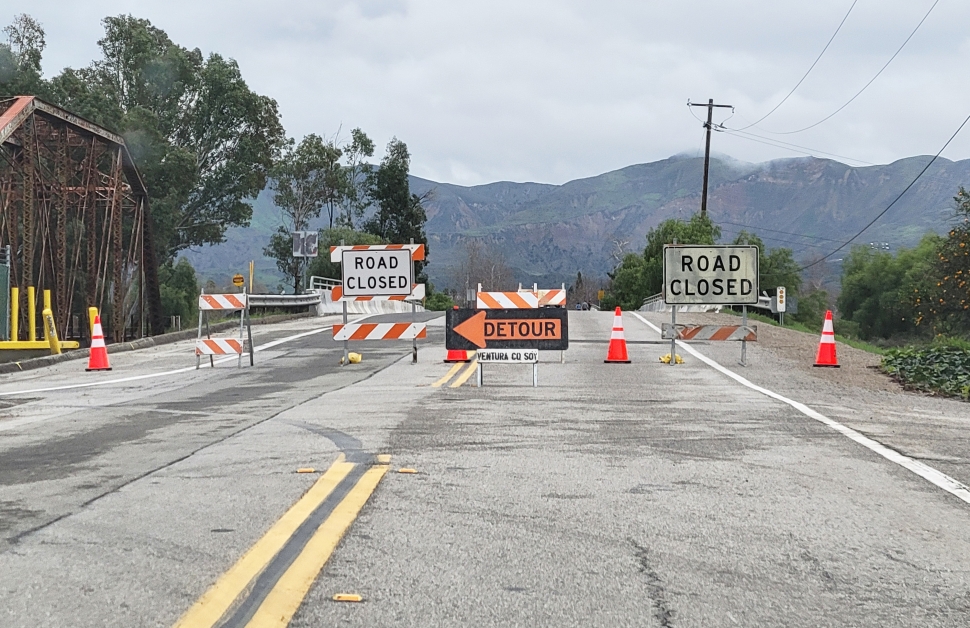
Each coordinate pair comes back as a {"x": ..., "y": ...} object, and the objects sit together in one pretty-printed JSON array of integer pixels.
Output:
[
  {"x": 347, "y": 597},
  {"x": 306, "y": 470},
  {"x": 666, "y": 359},
  {"x": 406, "y": 470}
]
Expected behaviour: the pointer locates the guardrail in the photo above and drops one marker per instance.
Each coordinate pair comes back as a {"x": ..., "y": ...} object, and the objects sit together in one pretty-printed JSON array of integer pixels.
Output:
[{"x": 282, "y": 301}]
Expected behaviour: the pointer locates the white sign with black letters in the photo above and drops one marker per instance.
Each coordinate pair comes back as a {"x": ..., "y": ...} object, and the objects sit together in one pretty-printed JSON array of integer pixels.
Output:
[
  {"x": 710, "y": 275},
  {"x": 508, "y": 356},
  {"x": 376, "y": 272}
]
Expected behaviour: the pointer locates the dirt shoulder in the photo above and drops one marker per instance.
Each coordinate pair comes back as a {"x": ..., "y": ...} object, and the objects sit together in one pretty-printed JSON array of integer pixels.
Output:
[{"x": 797, "y": 349}]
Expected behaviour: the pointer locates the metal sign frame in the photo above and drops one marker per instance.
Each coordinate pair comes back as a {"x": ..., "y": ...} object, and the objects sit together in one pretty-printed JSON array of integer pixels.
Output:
[{"x": 711, "y": 269}]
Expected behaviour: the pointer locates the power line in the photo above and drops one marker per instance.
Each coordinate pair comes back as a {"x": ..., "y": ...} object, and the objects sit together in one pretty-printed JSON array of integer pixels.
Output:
[
  {"x": 805, "y": 76},
  {"x": 866, "y": 86},
  {"x": 795, "y": 148},
  {"x": 895, "y": 200},
  {"x": 797, "y": 245},
  {"x": 798, "y": 235}
]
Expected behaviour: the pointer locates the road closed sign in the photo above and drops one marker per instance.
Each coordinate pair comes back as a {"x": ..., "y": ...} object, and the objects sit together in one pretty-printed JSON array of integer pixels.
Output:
[
  {"x": 710, "y": 275},
  {"x": 376, "y": 272}
]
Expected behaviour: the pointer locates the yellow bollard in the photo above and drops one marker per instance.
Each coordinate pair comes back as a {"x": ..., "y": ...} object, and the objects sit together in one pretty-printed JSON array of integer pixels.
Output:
[
  {"x": 92, "y": 314},
  {"x": 50, "y": 331},
  {"x": 31, "y": 314},
  {"x": 15, "y": 314},
  {"x": 47, "y": 306}
]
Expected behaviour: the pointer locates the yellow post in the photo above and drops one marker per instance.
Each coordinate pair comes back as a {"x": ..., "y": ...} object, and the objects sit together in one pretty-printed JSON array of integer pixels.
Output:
[
  {"x": 15, "y": 314},
  {"x": 47, "y": 306},
  {"x": 92, "y": 314},
  {"x": 251, "y": 264},
  {"x": 50, "y": 331},
  {"x": 31, "y": 314}
]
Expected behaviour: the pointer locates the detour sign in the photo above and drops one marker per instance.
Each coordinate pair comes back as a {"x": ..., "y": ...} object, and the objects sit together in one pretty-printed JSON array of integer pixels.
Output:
[{"x": 540, "y": 328}]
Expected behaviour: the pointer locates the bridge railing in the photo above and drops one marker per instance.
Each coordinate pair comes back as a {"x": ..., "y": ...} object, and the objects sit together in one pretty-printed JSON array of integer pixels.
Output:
[
  {"x": 656, "y": 303},
  {"x": 323, "y": 283}
]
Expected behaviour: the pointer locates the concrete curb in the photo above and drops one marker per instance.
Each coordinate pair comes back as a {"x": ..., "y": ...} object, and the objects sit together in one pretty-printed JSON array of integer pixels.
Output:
[{"x": 141, "y": 343}]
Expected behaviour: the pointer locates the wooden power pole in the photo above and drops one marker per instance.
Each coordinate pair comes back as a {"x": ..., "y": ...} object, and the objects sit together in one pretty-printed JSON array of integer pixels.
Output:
[{"x": 707, "y": 150}]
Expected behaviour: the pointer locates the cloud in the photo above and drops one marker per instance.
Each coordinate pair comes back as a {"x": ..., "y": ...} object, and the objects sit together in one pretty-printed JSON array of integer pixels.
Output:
[{"x": 485, "y": 90}]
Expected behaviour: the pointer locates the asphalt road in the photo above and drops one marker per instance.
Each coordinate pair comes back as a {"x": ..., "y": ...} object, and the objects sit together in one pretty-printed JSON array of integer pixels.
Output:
[{"x": 611, "y": 495}]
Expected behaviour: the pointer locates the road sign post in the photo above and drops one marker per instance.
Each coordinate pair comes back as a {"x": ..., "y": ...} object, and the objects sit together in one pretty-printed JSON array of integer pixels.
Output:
[{"x": 710, "y": 275}]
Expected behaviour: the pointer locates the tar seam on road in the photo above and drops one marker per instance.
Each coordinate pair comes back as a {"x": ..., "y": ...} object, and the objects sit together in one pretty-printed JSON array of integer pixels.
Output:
[
  {"x": 349, "y": 446},
  {"x": 938, "y": 478}
]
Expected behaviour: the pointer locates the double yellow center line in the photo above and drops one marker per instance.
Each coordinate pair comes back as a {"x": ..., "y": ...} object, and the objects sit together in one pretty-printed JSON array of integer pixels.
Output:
[
  {"x": 461, "y": 379},
  {"x": 267, "y": 585}
]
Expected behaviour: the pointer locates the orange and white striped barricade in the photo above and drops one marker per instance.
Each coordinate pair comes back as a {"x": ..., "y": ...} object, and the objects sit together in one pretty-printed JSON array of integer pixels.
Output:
[
  {"x": 552, "y": 298},
  {"x": 226, "y": 304},
  {"x": 380, "y": 331},
  {"x": 378, "y": 272},
  {"x": 742, "y": 333},
  {"x": 336, "y": 252},
  {"x": 748, "y": 333},
  {"x": 506, "y": 300},
  {"x": 417, "y": 294},
  {"x": 218, "y": 346}
]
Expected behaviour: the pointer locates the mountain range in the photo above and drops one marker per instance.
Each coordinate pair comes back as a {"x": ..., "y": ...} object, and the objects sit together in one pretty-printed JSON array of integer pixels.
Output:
[{"x": 547, "y": 233}]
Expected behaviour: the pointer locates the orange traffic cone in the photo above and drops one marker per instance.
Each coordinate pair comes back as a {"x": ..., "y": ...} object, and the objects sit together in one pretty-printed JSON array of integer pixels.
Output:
[
  {"x": 458, "y": 355},
  {"x": 617, "y": 351},
  {"x": 826, "y": 346},
  {"x": 99, "y": 353}
]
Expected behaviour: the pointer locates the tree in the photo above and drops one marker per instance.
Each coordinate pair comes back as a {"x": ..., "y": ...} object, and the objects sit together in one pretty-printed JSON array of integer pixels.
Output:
[
  {"x": 321, "y": 266},
  {"x": 20, "y": 58},
  {"x": 356, "y": 174},
  {"x": 878, "y": 288},
  {"x": 306, "y": 179},
  {"x": 203, "y": 141},
  {"x": 639, "y": 276},
  {"x": 179, "y": 289},
  {"x": 480, "y": 264},
  {"x": 400, "y": 215},
  {"x": 776, "y": 267},
  {"x": 944, "y": 301}
]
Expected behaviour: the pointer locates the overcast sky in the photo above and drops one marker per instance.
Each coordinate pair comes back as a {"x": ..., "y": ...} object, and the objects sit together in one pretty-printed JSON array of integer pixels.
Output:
[{"x": 549, "y": 91}]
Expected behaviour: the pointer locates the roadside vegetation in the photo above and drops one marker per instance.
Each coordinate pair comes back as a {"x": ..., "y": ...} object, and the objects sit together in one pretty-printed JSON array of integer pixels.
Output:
[{"x": 912, "y": 306}]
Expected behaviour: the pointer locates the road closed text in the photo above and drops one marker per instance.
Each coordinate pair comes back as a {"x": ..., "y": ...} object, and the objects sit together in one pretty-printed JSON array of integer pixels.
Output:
[
  {"x": 721, "y": 275},
  {"x": 376, "y": 272},
  {"x": 715, "y": 287}
]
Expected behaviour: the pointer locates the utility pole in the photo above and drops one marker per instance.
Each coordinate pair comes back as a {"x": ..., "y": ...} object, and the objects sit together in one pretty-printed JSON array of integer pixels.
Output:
[{"x": 707, "y": 151}]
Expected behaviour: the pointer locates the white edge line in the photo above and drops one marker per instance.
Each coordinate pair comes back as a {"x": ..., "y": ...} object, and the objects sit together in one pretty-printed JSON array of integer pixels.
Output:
[
  {"x": 921, "y": 469},
  {"x": 135, "y": 378}
]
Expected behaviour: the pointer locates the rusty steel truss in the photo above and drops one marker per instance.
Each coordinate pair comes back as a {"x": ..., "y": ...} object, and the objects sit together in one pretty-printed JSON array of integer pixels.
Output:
[{"x": 75, "y": 213}]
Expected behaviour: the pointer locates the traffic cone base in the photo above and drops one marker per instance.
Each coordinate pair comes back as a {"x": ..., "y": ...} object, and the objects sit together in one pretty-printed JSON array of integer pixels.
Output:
[
  {"x": 458, "y": 355},
  {"x": 826, "y": 346},
  {"x": 98, "y": 360},
  {"x": 617, "y": 351}
]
